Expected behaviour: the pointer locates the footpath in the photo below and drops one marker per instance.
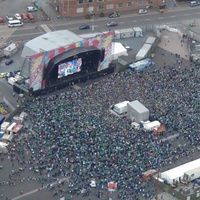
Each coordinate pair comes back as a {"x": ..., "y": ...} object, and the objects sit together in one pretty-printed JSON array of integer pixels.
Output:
[{"x": 174, "y": 43}]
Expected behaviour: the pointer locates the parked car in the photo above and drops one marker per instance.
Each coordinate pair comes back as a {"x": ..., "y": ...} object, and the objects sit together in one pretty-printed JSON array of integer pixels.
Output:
[
  {"x": 84, "y": 26},
  {"x": 92, "y": 14},
  {"x": 23, "y": 16},
  {"x": 109, "y": 24},
  {"x": 142, "y": 11},
  {"x": 9, "y": 61},
  {"x": 194, "y": 3},
  {"x": 36, "y": 169},
  {"x": 17, "y": 16},
  {"x": 31, "y": 18},
  {"x": 197, "y": 181},
  {"x": 1, "y": 20},
  {"x": 9, "y": 18},
  {"x": 3, "y": 74},
  {"x": 9, "y": 74},
  {"x": 114, "y": 14},
  {"x": 93, "y": 183},
  {"x": 31, "y": 9}
]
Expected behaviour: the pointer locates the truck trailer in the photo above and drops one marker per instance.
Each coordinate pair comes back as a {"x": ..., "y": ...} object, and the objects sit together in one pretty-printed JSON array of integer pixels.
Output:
[
  {"x": 10, "y": 50},
  {"x": 191, "y": 175}
]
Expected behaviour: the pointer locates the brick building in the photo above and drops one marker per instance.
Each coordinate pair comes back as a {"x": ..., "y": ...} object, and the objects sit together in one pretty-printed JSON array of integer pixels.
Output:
[{"x": 75, "y": 8}]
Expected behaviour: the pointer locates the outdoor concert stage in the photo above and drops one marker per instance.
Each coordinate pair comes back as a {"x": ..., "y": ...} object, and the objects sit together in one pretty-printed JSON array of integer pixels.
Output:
[
  {"x": 72, "y": 80},
  {"x": 67, "y": 65}
]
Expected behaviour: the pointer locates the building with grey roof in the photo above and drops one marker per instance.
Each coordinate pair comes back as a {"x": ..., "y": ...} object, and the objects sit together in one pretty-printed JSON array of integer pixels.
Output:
[{"x": 137, "y": 112}]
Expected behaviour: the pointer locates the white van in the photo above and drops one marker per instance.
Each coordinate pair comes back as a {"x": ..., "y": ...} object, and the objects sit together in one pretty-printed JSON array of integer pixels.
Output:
[{"x": 14, "y": 23}]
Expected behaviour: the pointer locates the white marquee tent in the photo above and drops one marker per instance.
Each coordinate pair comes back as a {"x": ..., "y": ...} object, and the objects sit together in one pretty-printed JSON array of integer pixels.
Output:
[
  {"x": 178, "y": 172},
  {"x": 118, "y": 50}
]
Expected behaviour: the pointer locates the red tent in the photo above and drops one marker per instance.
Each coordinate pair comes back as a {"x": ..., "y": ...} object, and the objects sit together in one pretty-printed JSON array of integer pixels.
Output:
[
  {"x": 17, "y": 128},
  {"x": 112, "y": 186}
]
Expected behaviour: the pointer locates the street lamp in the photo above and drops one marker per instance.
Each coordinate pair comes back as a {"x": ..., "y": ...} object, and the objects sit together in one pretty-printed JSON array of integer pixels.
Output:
[
  {"x": 68, "y": 8},
  {"x": 93, "y": 22}
]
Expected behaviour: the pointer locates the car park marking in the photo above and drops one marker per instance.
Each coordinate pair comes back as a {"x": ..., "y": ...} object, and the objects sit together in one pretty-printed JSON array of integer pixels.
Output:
[
  {"x": 121, "y": 22},
  {"x": 17, "y": 35},
  {"x": 134, "y": 21},
  {"x": 161, "y": 17},
  {"x": 147, "y": 19},
  {"x": 186, "y": 14},
  {"x": 45, "y": 27},
  {"x": 173, "y": 16},
  {"x": 52, "y": 27},
  {"x": 4, "y": 30}
]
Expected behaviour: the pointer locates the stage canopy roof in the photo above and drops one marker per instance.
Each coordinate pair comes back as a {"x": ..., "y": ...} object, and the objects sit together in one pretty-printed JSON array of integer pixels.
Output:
[{"x": 49, "y": 41}]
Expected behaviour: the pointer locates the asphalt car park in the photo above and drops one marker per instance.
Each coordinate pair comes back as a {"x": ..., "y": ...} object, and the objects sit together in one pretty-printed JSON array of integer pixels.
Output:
[{"x": 24, "y": 7}]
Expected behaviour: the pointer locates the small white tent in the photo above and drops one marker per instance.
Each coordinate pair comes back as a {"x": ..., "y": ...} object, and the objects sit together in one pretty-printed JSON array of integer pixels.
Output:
[
  {"x": 121, "y": 108},
  {"x": 178, "y": 172},
  {"x": 118, "y": 50},
  {"x": 152, "y": 125},
  {"x": 3, "y": 148}
]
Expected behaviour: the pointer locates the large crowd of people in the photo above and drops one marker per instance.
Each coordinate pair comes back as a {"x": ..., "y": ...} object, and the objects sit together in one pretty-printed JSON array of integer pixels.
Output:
[{"x": 74, "y": 134}]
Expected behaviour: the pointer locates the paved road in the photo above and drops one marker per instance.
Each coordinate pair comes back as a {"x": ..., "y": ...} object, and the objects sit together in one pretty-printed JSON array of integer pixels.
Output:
[{"x": 29, "y": 31}]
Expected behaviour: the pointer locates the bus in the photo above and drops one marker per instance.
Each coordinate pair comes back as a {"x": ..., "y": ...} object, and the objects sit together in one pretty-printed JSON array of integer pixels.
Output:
[
  {"x": 142, "y": 65},
  {"x": 14, "y": 23}
]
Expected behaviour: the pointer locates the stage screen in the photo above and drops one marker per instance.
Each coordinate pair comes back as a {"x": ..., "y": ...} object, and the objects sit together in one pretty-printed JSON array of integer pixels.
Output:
[{"x": 70, "y": 67}]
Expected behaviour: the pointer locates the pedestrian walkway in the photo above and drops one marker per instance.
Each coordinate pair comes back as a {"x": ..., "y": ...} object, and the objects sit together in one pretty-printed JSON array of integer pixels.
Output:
[
  {"x": 170, "y": 137},
  {"x": 76, "y": 87},
  {"x": 36, "y": 190},
  {"x": 46, "y": 28},
  {"x": 174, "y": 43},
  {"x": 165, "y": 196}
]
